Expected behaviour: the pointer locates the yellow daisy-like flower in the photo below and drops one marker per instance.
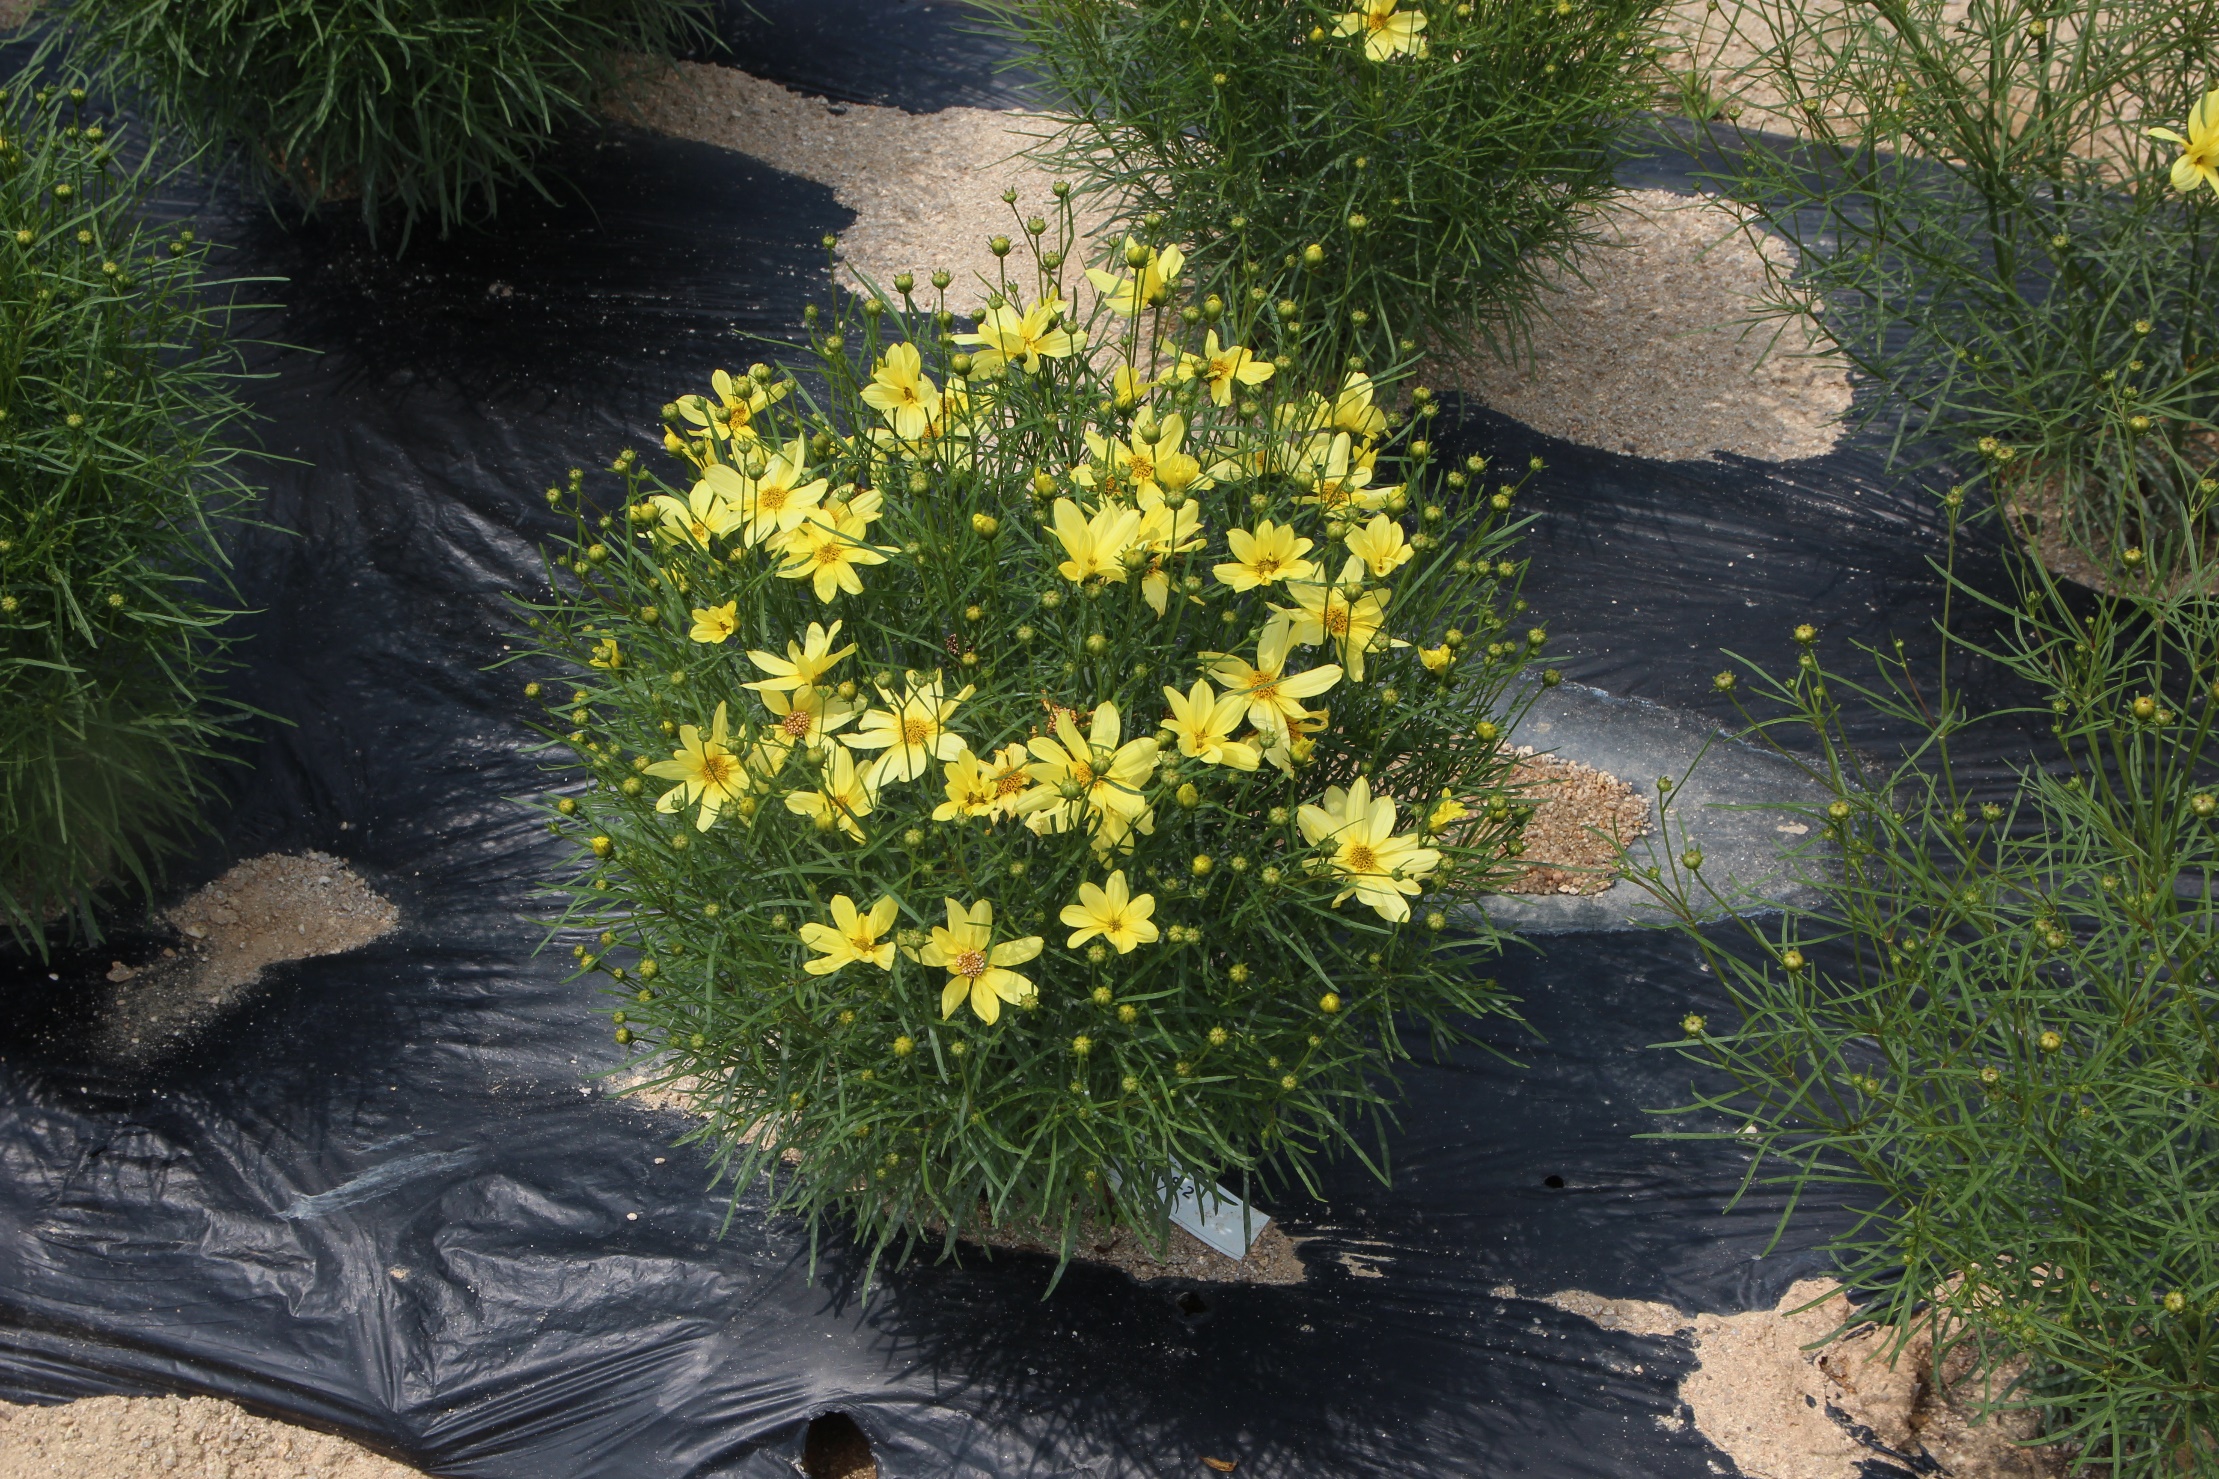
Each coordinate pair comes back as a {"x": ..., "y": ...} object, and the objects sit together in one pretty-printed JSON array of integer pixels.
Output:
[
  {"x": 706, "y": 770},
  {"x": 1437, "y": 659},
  {"x": 978, "y": 969},
  {"x": 1202, "y": 721},
  {"x": 1339, "y": 481},
  {"x": 1096, "y": 546},
  {"x": 1270, "y": 552},
  {"x": 1111, "y": 912},
  {"x": 1007, "y": 336},
  {"x": 1351, "y": 624},
  {"x": 715, "y": 623},
  {"x": 1273, "y": 695},
  {"x": 1090, "y": 778},
  {"x": 2198, "y": 163},
  {"x": 829, "y": 554},
  {"x": 1352, "y": 410},
  {"x": 844, "y": 795},
  {"x": 1165, "y": 531},
  {"x": 739, "y": 401},
  {"x": 1387, "y": 32},
  {"x": 853, "y": 938},
  {"x": 1011, "y": 777},
  {"x": 1224, "y": 369},
  {"x": 1150, "y": 284},
  {"x": 778, "y": 501},
  {"x": 1380, "y": 545},
  {"x": 972, "y": 790},
  {"x": 1446, "y": 810},
  {"x": 805, "y": 664},
  {"x": 806, "y": 715},
  {"x": 903, "y": 393},
  {"x": 1379, "y": 868},
  {"x": 704, "y": 515},
  {"x": 912, "y": 730}
]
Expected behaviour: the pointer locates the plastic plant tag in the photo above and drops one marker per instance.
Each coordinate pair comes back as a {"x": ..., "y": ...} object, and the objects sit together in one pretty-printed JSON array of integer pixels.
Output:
[{"x": 1217, "y": 1217}]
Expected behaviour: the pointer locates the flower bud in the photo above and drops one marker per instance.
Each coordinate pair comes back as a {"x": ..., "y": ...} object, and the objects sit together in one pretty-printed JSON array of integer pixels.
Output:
[
  {"x": 1082, "y": 1045},
  {"x": 1330, "y": 1003},
  {"x": 602, "y": 847},
  {"x": 1189, "y": 797},
  {"x": 2203, "y": 804},
  {"x": 1692, "y": 859},
  {"x": 1128, "y": 1014},
  {"x": 904, "y": 1046},
  {"x": 1692, "y": 1025},
  {"x": 1792, "y": 959},
  {"x": 985, "y": 526},
  {"x": 2131, "y": 558},
  {"x": 1201, "y": 865},
  {"x": 1313, "y": 255}
]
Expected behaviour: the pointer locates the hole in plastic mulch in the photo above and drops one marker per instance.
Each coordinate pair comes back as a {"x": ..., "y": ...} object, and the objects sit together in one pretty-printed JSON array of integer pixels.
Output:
[
  {"x": 1553, "y": 1183},
  {"x": 835, "y": 1448}
]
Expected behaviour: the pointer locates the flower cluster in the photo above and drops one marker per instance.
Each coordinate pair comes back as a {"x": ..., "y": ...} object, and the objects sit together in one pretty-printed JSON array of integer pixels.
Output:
[{"x": 1083, "y": 615}]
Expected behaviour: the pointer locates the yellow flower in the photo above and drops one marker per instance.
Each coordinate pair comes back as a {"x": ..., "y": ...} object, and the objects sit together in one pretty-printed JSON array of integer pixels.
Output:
[
  {"x": 972, "y": 790},
  {"x": 852, "y": 938},
  {"x": 1008, "y": 337},
  {"x": 805, "y": 664},
  {"x": 1352, "y": 410},
  {"x": 1127, "y": 388},
  {"x": 1096, "y": 546},
  {"x": 606, "y": 654},
  {"x": 912, "y": 730},
  {"x": 828, "y": 554},
  {"x": 2198, "y": 163},
  {"x": 1446, "y": 810},
  {"x": 703, "y": 516},
  {"x": 843, "y": 795},
  {"x": 1379, "y": 868},
  {"x": 715, "y": 623},
  {"x": 1270, "y": 553},
  {"x": 903, "y": 393},
  {"x": 1224, "y": 368},
  {"x": 1274, "y": 696},
  {"x": 1353, "y": 625},
  {"x": 1380, "y": 546},
  {"x": 1437, "y": 659},
  {"x": 1202, "y": 721},
  {"x": 1011, "y": 778},
  {"x": 806, "y": 715},
  {"x": 1165, "y": 531},
  {"x": 738, "y": 403},
  {"x": 1339, "y": 482},
  {"x": 977, "y": 968},
  {"x": 778, "y": 501},
  {"x": 1149, "y": 286},
  {"x": 1090, "y": 779},
  {"x": 706, "y": 771},
  {"x": 1387, "y": 32},
  {"x": 1113, "y": 914}
]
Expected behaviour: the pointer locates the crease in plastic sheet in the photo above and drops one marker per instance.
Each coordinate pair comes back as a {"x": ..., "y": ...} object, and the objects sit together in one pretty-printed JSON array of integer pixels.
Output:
[{"x": 385, "y": 1195}]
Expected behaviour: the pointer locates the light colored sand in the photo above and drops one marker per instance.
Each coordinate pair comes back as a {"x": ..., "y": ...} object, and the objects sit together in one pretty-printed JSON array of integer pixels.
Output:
[
  {"x": 1771, "y": 1404},
  {"x": 1651, "y": 359},
  {"x": 1655, "y": 355},
  {"x": 265, "y": 911},
  {"x": 173, "y": 1438},
  {"x": 926, "y": 188}
]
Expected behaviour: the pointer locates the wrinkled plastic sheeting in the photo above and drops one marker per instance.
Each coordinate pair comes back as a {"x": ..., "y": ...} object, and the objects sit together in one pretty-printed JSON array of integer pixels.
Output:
[{"x": 387, "y": 1196}]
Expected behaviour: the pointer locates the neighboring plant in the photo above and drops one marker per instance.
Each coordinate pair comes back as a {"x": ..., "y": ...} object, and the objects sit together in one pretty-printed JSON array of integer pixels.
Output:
[
  {"x": 115, "y": 476},
  {"x": 1042, "y": 757},
  {"x": 425, "y": 110},
  {"x": 1391, "y": 175},
  {"x": 1996, "y": 1042},
  {"x": 1990, "y": 220}
]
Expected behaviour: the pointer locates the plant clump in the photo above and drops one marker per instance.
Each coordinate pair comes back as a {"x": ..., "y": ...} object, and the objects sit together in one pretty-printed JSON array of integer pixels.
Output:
[
  {"x": 1035, "y": 760},
  {"x": 1994, "y": 1038},
  {"x": 2008, "y": 219},
  {"x": 423, "y": 111},
  {"x": 1391, "y": 173},
  {"x": 115, "y": 477}
]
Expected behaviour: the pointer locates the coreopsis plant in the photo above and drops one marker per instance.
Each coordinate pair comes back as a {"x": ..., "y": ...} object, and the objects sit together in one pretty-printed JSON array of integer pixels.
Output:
[{"x": 1036, "y": 759}]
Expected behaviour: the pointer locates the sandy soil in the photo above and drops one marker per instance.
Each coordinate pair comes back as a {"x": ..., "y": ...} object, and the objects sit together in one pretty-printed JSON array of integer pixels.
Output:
[
  {"x": 1654, "y": 354},
  {"x": 14, "y": 13},
  {"x": 1569, "y": 838},
  {"x": 264, "y": 911},
  {"x": 926, "y": 190},
  {"x": 173, "y": 1438},
  {"x": 1784, "y": 1412}
]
